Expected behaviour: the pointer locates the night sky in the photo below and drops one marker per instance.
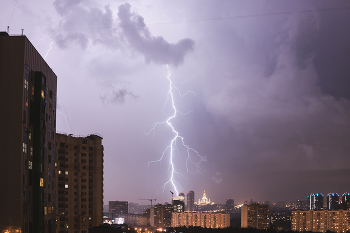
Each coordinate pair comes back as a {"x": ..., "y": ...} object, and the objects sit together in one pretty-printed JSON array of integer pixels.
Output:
[{"x": 268, "y": 103}]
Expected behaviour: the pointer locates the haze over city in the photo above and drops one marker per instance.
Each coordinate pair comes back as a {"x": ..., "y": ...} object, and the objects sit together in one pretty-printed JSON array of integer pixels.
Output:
[{"x": 271, "y": 109}]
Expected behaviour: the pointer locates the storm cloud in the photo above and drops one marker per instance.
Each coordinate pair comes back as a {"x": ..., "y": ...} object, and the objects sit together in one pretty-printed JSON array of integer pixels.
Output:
[{"x": 154, "y": 49}]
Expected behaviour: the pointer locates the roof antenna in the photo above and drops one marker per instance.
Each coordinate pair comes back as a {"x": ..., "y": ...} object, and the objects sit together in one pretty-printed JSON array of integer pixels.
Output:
[
  {"x": 8, "y": 29},
  {"x": 22, "y": 31}
]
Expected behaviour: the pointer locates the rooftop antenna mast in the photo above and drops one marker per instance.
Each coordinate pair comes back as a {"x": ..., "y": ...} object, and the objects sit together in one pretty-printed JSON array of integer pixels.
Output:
[{"x": 172, "y": 197}]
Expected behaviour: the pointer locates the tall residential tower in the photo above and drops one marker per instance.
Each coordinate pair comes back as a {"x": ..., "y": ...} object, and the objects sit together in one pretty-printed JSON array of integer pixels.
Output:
[
  {"x": 79, "y": 183},
  {"x": 27, "y": 140}
]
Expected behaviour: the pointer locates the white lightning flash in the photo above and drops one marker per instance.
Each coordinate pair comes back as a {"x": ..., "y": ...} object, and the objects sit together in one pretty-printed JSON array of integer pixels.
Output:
[
  {"x": 176, "y": 138},
  {"x": 47, "y": 52}
]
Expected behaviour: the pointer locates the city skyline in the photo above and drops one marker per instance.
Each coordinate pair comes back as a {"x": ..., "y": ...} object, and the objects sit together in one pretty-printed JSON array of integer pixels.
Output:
[{"x": 272, "y": 105}]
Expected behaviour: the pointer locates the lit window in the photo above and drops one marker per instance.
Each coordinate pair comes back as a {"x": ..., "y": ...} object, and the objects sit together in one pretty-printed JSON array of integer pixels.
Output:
[
  {"x": 66, "y": 186},
  {"x": 24, "y": 147},
  {"x": 66, "y": 172},
  {"x": 31, "y": 151},
  {"x": 32, "y": 90},
  {"x": 25, "y": 84},
  {"x": 59, "y": 172},
  {"x": 41, "y": 182},
  {"x": 30, "y": 165},
  {"x": 42, "y": 94}
]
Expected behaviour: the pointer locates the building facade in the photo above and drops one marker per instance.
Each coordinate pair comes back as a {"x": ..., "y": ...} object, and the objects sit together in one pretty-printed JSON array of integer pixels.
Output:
[
  {"x": 321, "y": 221},
  {"x": 332, "y": 200},
  {"x": 190, "y": 201},
  {"x": 179, "y": 203},
  {"x": 27, "y": 140},
  {"x": 255, "y": 216},
  {"x": 79, "y": 183},
  {"x": 160, "y": 216},
  {"x": 230, "y": 206},
  {"x": 118, "y": 209},
  {"x": 316, "y": 201},
  {"x": 200, "y": 219}
]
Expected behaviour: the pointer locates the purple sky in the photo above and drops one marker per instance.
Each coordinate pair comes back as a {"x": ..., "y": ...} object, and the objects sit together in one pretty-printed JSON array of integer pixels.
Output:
[{"x": 271, "y": 114}]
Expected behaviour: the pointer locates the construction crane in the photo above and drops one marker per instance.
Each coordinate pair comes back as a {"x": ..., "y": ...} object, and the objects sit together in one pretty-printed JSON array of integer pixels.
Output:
[{"x": 149, "y": 200}]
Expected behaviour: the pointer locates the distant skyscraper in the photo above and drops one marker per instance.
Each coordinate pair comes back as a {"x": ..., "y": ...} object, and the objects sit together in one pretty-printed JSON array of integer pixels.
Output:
[
  {"x": 230, "y": 206},
  {"x": 27, "y": 139},
  {"x": 332, "y": 200},
  {"x": 316, "y": 201},
  {"x": 118, "y": 209},
  {"x": 255, "y": 216},
  {"x": 79, "y": 179},
  {"x": 190, "y": 201}
]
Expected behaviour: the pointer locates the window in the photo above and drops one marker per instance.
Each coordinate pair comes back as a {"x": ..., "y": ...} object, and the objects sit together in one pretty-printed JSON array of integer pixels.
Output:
[
  {"x": 66, "y": 186},
  {"x": 30, "y": 165},
  {"x": 84, "y": 147},
  {"x": 43, "y": 94},
  {"x": 24, "y": 147},
  {"x": 66, "y": 173},
  {"x": 41, "y": 182}
]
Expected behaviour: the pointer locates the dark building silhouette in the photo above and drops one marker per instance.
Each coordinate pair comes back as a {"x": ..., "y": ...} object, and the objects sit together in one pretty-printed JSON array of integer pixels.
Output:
[
  {"x": 332, "y": 200},
  {"x": 230, "y": 206},
  {"x": 160, "y": 215},
  {"x": 346, "y": 198},
  {"x": 255, "y": 216},
  {"x": 190, "y": 201},
  {"x": 179, "y": 203},
  {"x": 118, "y": 209},
  {"x": 27, "y": 140},
  {"x": 316, "y": 201}
]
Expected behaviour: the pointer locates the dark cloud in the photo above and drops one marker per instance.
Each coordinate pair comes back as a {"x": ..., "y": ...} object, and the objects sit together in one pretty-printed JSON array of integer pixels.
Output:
[
  {"x": 79, "y": 24},
  {"x": 83, "y": 25},
  {"x": 118, "y": 97},
  {"x": 154, "y": 49},
  {"x": 65, "y": 6}
]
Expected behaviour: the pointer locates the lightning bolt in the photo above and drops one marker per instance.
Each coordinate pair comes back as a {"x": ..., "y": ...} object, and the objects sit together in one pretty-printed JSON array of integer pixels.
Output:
[
  {"x": 177, "y": 137},
  {"x": 47, "y": 53}
]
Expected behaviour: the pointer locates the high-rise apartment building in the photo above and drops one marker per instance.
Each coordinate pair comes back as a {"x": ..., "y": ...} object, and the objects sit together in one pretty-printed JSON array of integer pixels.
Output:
[
  {"x": 79, "y": 183},
  {"x": 179, "y": 203},
  {"x": 255, "y": 216},
  {"x": 321, "y": 221},
  {"x": 118, "y": 209},
  {"x": 190, "y": 201},
  {"x": 160, "y": 216},
  {"x": 332, "y": 200},
  {"x": 27, "y": 140},
  {"x": 316, "y": 201},
  {"x": 229, "y": 206}
]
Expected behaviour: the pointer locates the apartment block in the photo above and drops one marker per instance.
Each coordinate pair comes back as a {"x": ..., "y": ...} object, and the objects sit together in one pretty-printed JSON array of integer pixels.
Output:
[
  {"x": 27, "y": 140},
  {"x": 321, "y": 221},
  {"x": 79, "y": 183},
  {"x": 255, "y": 216},
  {"x": 201, "y": 219}
]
